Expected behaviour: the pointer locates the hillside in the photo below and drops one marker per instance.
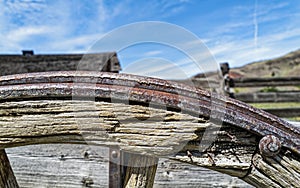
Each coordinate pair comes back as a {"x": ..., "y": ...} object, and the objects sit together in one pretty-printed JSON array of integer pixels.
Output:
[{"x": 287, "y": 65}]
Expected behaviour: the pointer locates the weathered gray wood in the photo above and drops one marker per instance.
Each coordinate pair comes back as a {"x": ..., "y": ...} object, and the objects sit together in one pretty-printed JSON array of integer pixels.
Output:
[
  {"x": 33, "y": 122},
  {"x": 37, "y": 166},
  {"x": 134, "y": 128},
  {"x": 7, "y": 177},
  {"x": 16, "y": 64},
  {"x": 140, "y": 171},
  {"x": 109, "y": 124},
  {"x": 281, "y": 171},
  {"x": 269, "y": 97},
  {"x": 131, "y": 170}
]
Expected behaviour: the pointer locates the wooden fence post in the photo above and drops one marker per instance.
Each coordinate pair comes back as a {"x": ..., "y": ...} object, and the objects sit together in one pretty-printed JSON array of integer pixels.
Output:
[
  {"x": 128, "y": 170},
  {"x": 7, "y": 177},
  {"x": 140, "y": 170}
]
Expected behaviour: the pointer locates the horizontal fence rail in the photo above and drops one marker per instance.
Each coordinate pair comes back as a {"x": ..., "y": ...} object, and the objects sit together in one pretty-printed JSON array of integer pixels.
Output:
[
  {"x": 271, "y": 97},
  {"x": 267, "y": 82},
  {"x": 260, "y": 97},
  {"x": 285, "y": 112}
]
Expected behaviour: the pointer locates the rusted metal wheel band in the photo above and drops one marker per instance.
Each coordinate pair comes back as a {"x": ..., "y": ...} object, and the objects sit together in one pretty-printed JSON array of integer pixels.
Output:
[{"x": 145, "y": 90}]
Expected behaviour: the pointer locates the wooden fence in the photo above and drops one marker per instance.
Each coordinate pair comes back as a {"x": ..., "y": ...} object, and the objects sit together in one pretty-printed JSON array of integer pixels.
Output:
[
  {"x": 260, "y": 97},
  {"x": 278, "y": 96},
  {"x": 272, "y": 96},
  {"x": 267, "y": 82},
  {"x": 257, "y": 97}
]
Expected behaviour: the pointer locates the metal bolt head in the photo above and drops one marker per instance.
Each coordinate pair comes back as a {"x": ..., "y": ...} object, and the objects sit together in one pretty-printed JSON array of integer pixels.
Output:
[
  {"x": 269, "y": 146},
  {"x": 114, "y": 154}
]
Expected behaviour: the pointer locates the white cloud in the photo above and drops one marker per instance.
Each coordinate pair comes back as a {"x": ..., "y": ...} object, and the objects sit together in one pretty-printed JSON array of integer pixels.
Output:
[
  {"x": 239, "y": 52},
  {"x": 102, "y": 12},
  {"x": 24, "y": 33},
  {"x": 153, "y": 53},
  {"x": 77, "y": 44},
  {"x": 52, "y": 25},
  {"x": 266, "y": 9},
  {"x": 160, "y": 68},
  {"x": 243, "y": 39},
  {"x": 286, "y": 34},
  {"x": 64, "y": 26},
  {"x": 22, "y": 13}
]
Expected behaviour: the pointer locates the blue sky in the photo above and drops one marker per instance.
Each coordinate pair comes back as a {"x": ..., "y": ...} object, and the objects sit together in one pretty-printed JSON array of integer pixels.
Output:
[{"x": 238, "y": 32}]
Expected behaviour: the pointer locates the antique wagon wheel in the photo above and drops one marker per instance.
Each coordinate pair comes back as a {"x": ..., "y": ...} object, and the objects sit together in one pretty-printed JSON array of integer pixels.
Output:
[{"x": 55, "y": 107}]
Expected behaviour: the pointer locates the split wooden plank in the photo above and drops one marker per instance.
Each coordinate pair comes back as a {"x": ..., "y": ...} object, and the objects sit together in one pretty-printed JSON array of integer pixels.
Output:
[{"x": 168, "y": 134}]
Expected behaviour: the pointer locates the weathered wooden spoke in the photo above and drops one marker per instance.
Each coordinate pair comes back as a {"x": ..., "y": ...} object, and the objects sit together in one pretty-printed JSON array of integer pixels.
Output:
[
  {"x": 150, "y": 117},
  {"x": 7, "y": 177}
]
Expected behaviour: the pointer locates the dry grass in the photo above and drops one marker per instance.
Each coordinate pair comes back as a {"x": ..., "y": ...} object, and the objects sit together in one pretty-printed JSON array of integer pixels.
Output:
[{"x": 284, "y": 66}]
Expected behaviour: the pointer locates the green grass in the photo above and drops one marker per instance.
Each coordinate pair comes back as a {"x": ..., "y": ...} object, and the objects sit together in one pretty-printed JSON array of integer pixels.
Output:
[
  {"x": 269, "y": 89},
  {"x": 276, "y": 105},
  {"x": 294, "y": 119},
  {"x": 279, "y": 105}
]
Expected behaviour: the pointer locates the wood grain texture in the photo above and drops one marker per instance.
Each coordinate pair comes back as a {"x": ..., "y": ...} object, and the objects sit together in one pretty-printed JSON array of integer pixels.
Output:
[
  {"x": 280, "y": 171},
  {"x": 143, "y": 130},
  {"x": 16, "y": 64},
  {"x": 135, "y": 128},
  {"x": 41, "y": 166},
  {"x": 140, "y": 171}
]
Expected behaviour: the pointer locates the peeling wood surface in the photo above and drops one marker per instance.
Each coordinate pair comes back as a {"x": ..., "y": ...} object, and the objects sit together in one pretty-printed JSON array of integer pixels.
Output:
[
  {"x": 95, "y": 85},
  {"x": 156, "y": 120},
  {"x": 53, "y": 121},
  {"x": 281, "y": 171},
  {"x": 128, "y": 126}
]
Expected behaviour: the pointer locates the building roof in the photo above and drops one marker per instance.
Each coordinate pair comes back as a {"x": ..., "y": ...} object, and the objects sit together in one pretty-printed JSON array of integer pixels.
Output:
[{"x": 15, "y": 64}]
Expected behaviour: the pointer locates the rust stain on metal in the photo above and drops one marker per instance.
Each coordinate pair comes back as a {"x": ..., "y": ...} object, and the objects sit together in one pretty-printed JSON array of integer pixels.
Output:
[
  {"x": 85, "y": 84},
  {"x": 269, "y": 146}
]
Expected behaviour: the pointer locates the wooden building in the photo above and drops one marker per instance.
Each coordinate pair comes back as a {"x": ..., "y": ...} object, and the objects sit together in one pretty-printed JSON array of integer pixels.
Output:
[{"x": 28, "y": 62}]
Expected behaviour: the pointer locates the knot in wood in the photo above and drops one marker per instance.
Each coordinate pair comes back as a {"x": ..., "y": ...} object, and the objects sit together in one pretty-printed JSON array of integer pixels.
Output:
[{"x": 269, "y": 146}]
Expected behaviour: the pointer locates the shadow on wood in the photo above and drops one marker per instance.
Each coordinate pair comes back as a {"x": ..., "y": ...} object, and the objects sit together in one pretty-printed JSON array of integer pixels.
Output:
[
  {"x": 34, "y": 111},
  {"x": 7, "y": 177}
]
